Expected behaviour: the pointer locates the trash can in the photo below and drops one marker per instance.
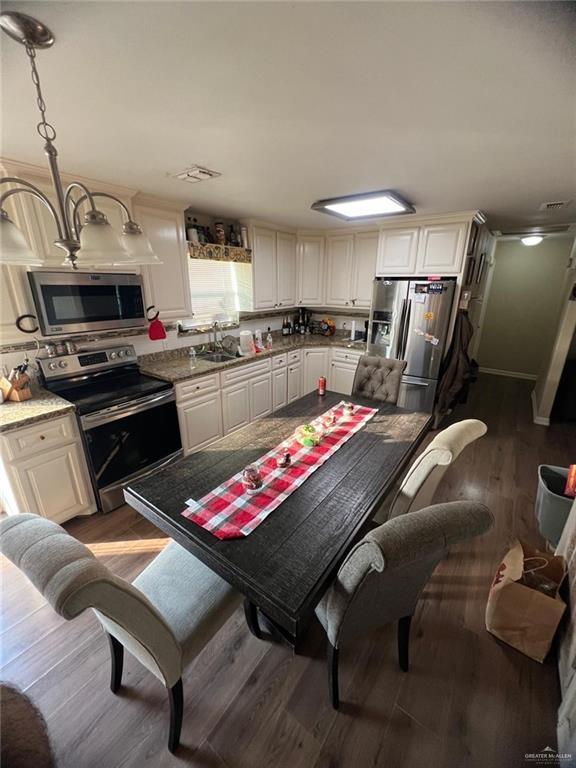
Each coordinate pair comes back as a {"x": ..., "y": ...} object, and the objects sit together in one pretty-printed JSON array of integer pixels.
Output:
[{"x": 552, "y": 507}]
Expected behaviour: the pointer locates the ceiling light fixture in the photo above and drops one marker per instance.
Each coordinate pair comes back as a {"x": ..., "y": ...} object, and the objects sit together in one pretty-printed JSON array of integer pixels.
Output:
[
  {"x": 531, "y": 240},
  {"x": 92, "y": 242},
  {"x": 369, "y": 205}
]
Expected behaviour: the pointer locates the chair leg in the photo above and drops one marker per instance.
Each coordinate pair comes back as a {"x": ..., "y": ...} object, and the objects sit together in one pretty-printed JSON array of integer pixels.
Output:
[
  {"x": 176, "y": 696},
  {"x": 251, "y": 615},
  {"x": 117, "y": 659},
  {"x": 332, "y": 659},
  {"x": 404, "y": 642}
]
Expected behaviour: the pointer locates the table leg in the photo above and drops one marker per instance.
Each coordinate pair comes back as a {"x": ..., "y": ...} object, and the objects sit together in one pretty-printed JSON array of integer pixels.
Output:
[{"x": 251, "y": 614}]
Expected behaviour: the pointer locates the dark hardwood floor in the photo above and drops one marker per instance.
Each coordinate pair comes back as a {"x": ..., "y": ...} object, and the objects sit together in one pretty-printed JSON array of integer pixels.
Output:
[{"x": 468, "y": 701}]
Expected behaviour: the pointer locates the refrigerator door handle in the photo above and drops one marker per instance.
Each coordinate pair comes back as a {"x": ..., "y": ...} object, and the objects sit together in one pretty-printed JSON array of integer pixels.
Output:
[
  {"x": 399, "y": 343},
  {"x": 418, "y": 383},
  {"x": 406, "y": 328}
]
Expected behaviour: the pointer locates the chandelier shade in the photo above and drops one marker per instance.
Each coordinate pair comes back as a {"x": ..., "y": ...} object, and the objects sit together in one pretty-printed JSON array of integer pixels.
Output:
[
  {"x": 100, "y": 245},
  {"x": 13, "y": 246},
  {"x": 138, "y": 245}
]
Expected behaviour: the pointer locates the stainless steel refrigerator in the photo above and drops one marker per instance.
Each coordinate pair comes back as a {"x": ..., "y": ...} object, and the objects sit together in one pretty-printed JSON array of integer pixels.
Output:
[{"x": 409, "y": 321}]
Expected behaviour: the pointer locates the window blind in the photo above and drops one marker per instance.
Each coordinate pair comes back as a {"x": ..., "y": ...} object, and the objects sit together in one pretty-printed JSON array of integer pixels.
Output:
[{"x": 219, "y": 289}]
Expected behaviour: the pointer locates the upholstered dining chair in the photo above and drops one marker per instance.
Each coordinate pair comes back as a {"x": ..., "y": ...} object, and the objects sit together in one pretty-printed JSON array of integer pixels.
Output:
[
  {"x": 378, "y": 378},
  {"x": 382, "y": 577},
  {"x": 164, "y": 618},
  {"x": 423, "y": 478}
]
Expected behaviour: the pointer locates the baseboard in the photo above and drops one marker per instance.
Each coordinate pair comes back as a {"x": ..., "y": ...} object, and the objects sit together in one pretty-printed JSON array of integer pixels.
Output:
[
  {"x": 541, "y": 420},
  {"x": 512, "y": 374}
]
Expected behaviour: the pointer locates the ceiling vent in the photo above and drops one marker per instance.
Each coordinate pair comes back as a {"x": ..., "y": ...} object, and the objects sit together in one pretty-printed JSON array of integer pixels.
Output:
[
  {"x": 196, "y": 173},
  {"x": 555, "y": 205}
]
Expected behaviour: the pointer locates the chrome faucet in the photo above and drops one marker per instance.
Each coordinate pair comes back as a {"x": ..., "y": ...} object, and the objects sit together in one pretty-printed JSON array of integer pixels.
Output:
[{"x": 216, "y": 345}]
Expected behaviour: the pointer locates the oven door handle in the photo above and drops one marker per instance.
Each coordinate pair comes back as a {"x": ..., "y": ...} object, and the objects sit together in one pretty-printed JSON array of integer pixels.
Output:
[{"x": 115, "y": 412}]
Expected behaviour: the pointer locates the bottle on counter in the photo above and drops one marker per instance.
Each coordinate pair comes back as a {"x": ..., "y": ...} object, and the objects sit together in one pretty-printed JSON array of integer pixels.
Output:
[
  {"x": 269, "y": 339},
  {"x": 285, "y": 327}
]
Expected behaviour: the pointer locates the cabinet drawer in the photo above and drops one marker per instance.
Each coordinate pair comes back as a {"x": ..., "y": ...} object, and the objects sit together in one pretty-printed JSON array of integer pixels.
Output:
[
  {"x": 279, "y": 361},
  {"x": 196, "y": 387},
  {"x": 244, "y": 372},
  {"x": 346, "y": 356},
  {"x": 295, "y": 357},
  {"x": 39, "y": 437}
]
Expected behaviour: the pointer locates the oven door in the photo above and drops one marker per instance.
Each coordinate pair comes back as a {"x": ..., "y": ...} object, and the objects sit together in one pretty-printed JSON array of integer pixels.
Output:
[
  {"x": 128, "y": 441},
  {"x": 92, "y": 301}
]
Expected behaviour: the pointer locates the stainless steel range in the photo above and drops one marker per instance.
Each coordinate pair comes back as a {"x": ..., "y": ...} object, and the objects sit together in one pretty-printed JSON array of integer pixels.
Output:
[{"x": 128, "y": 420}]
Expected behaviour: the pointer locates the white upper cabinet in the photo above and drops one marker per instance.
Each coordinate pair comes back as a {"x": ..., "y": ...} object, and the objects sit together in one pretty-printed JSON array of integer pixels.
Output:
[
  {"x": 397, "y": 251},
  {"x": 311, "y": 271},
  {"x": 339, "y": 250},
  {"x": 364, "y": 268},
  {"x": 441, "y": 248},
  {"x": 285, "y": 269},
  {"x": 166, "y": 284},
  {"x": 264, "y": 267}
]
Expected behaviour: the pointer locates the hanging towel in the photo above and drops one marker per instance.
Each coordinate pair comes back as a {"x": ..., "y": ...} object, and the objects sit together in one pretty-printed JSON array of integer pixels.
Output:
[
  {"x": 156, "y": 330},
  {"x": 456, "y": 368}
]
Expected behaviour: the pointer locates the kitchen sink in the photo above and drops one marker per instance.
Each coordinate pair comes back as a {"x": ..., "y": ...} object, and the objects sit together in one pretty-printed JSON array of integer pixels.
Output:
[{"x": 217, "y": 357}]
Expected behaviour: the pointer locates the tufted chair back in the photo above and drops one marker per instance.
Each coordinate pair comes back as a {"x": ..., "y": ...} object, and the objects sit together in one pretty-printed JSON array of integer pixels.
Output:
[
  {"x": 422, "y": 479},
  {"x": 378, "y": 378},
  {"x": 383, "y": 575},
  {"x": 72, "y": 580}
]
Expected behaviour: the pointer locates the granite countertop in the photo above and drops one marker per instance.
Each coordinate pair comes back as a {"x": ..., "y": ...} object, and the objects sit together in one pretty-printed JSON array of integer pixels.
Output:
[
  {"x": 43, "y": 405},
  {"x": 176, "y": 365}
]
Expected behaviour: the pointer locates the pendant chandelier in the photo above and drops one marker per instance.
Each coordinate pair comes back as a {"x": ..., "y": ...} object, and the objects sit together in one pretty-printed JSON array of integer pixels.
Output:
[{"x": 88, "y": 240}]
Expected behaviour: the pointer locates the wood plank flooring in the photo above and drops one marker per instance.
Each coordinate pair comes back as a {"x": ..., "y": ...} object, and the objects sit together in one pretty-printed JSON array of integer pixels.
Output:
[{"x": 467, "y": 702}]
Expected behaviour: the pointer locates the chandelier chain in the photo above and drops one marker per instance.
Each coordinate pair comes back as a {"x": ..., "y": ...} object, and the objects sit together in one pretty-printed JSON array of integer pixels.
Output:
[{"x": 44, "y": 128}]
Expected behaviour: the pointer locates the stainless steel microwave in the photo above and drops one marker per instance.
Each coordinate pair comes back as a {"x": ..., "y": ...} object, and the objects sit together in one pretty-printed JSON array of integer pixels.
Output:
[{"x": 80, "y": 302}]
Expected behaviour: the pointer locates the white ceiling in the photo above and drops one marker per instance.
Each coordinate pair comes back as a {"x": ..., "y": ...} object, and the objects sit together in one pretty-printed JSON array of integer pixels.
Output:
[{"x": 456, "y": 105}]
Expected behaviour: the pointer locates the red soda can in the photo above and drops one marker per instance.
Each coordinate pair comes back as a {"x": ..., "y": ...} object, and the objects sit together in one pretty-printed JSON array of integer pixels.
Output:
[{"x": 322, "y": 385}]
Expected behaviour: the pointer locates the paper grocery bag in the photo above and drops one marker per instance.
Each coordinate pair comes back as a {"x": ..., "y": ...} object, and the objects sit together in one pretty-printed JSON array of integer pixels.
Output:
[{"x": 524, "y": 608}]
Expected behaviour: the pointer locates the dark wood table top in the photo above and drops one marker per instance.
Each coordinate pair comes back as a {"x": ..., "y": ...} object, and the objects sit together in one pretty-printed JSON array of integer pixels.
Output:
[{"x": 286, "y": 564}]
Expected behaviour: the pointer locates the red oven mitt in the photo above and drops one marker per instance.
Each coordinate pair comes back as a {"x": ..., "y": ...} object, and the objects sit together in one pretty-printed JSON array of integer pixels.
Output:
[{"x": 156, "y": 330}]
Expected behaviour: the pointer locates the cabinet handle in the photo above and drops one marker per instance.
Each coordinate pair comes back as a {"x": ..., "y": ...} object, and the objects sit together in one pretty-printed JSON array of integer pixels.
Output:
[{"x": 42, "y": 437}]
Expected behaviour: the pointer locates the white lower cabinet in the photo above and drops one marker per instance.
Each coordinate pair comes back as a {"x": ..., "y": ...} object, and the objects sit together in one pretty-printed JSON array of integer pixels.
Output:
[
  {"x": 260, "y": 396},
  {"x": 44, "y": 471},
  {"x": 279, "y": 388},
  {"x": 200, "y": 422},
  {"x": 236, "y": 407},
  {"x": 343, "y": 364},
  {"x": 315, "y": 365},
  {"x": 294, "y": 372}
]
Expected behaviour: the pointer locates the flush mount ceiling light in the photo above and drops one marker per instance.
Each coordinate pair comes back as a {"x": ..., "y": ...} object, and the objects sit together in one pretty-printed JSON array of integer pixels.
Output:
[
  {"x": 531, "y": 239},
  {"x": 90, "y": 242},
  {"x": 369, "y": 205}
]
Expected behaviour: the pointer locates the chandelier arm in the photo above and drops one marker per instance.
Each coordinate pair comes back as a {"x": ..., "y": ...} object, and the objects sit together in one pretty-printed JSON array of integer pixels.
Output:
[
  {"x": 78, "y": 203},
  {"x": 35, "y": 192}
]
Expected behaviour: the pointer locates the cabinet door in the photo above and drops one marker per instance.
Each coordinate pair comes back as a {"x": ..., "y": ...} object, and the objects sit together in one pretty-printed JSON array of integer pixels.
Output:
[
  {"x": 294, "y": 382},
  {"x": 364, "y": 268},
  {"x": 200, "y": 422},
  {"x": 311, "y": 271},
  {"x": 397, "y": 249},
  {"x": 441, "y": 249},
  {"x": 339, "y": 270},
  {"x": 167, "y": 284},
  {"x": 279, "y": 388},
  {"x": 315, "y": 365},
  {"x": 264, "y": 268},
  {"x": 285, "y": 269},
  {"x": 342, "y": 378},
  {"x": 54, "y": 484},
  {"x": 235, "y": 407},
  {"x": 260, "y": 396}
]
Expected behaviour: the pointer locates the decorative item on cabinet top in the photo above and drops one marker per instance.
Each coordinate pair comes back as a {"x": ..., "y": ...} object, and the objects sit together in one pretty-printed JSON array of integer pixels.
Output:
[
  {"x": 215, "y": 252},
  {"x": 91, "y": 243}
]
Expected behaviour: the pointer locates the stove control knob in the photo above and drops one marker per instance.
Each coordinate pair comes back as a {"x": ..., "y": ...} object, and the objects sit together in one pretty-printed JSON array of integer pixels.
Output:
[
  {"x": 121, "y": 353},
  {"x": 128, "y": 353},
  {"x": 112, "y": 355},
  {"x": 52, "y": 366},
  {"x": 63, "y": 364}
]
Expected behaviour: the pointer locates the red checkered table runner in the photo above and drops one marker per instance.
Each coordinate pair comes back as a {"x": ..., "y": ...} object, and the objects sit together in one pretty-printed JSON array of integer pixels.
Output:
[{"x": 230, "y": 512}]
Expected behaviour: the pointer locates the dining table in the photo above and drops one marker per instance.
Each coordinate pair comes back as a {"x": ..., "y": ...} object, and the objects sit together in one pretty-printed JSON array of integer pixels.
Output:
[{"x": 285, "y": 565}]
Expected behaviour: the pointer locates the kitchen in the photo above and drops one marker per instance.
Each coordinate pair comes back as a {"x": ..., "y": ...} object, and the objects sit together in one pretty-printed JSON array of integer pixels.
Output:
[{"x": 158, "y": 338}]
